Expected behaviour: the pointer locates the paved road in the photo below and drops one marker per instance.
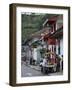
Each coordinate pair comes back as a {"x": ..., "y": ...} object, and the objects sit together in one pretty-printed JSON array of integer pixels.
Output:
[{"x": 27, "y": 71}]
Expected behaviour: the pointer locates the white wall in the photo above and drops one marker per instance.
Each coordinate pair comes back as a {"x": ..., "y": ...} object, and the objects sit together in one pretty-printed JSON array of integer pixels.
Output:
[
  {"x": 35, "y": 54},
  {"x": 61, "y": 47},
  {"x": 49, "y": 47},
  {"x": 4, "y": 45},
  {"x": 57, "y": 49}
]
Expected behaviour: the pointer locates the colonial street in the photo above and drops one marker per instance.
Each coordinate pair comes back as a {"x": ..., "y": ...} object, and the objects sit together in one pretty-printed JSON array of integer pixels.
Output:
[{"x": 28, "y": 71}]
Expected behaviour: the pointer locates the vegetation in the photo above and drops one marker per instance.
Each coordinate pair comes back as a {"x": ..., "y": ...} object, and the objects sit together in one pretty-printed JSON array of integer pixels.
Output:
[{"x": 31, "y": 23}]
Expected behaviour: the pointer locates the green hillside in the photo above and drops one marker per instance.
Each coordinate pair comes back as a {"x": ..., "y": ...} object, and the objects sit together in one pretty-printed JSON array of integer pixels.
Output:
[{"x": 32, "y": 23}]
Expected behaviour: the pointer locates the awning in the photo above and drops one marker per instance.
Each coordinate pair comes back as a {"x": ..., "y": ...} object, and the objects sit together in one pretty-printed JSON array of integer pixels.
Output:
[{"x": 57, "y": 34}]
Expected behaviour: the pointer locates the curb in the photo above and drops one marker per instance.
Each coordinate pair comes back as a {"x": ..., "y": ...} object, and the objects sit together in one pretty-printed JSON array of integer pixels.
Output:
[{"x": 32, "y": 67}]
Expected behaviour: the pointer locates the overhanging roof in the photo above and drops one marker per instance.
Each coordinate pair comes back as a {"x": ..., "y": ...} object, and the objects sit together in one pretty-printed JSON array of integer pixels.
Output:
[{"x": 58, "y": 33}]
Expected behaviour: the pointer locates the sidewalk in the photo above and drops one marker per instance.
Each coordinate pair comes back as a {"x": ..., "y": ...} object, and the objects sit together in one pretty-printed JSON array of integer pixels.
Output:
[
  {"x": 56, "y": 73},
  {"x": 36, "y": 67}
]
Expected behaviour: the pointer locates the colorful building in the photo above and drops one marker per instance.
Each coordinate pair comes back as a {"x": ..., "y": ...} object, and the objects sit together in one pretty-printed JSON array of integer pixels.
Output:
[
  {"x": 54, "y": 38},
  {"x": 49, "y": 38}
]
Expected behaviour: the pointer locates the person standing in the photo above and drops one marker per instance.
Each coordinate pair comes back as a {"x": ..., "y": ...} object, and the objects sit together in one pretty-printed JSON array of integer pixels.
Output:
[
  {"x": 44, "y": 68},
  {"x": 61, "y": 63},
  {"x": 58, "y": 63}
]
